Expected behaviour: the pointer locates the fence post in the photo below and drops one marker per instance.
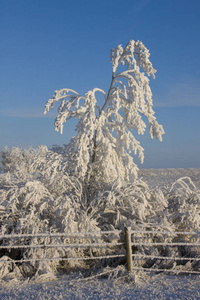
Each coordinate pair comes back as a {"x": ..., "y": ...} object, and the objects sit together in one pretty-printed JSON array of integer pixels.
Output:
[{"x": 128, "y": 248}]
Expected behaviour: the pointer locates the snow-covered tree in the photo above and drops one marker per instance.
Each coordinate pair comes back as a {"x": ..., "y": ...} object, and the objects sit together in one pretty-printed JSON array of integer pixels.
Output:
[{"x": 105, "y": 141}]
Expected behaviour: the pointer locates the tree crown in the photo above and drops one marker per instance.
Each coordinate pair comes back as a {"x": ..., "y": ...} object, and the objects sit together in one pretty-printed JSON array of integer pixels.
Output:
[{"x": 104, "y": 141}]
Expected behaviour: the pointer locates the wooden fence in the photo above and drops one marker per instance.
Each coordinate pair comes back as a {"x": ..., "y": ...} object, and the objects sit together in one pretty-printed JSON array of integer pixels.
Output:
[{"x": 131, "y": 243}]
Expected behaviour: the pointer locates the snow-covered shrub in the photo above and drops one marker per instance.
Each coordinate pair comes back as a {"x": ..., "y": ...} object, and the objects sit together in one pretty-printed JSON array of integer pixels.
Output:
[
  {"x": 40, "y": 196},
  {"x": 19, "y": 160},
  {"x": 133, "y": 204},
  {"x": 184, "y": 214},
  {"x": 184, "y": 205}
]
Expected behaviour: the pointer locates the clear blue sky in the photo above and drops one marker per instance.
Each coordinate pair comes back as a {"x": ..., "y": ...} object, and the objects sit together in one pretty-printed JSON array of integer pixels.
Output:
[{"x": 52, "y": 44}]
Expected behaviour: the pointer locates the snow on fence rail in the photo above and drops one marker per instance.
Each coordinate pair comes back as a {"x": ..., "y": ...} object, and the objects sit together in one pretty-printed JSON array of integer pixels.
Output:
[{"x": 133, "y": 239}]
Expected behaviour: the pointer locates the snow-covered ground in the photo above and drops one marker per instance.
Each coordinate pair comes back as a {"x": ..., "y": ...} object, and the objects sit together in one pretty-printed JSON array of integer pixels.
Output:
[
  {"x": 165, "y": 177},
  {"x": 159, "y": 286},
  {"x": 127, "y": 286},
  {"x": 151, "y": 286}
]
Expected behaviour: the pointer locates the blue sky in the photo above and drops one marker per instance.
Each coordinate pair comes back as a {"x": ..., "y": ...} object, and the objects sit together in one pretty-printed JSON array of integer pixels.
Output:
[{"x": 52, "y": 44}]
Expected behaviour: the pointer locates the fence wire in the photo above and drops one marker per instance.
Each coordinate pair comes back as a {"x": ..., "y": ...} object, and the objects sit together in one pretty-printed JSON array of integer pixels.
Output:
[
  {"x": 62, "y": 234},
  {"x": 78, "y": 245}
]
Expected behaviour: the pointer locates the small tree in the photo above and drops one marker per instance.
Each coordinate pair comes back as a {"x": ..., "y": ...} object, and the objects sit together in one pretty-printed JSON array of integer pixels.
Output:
[{"x": 104, "y": 142}]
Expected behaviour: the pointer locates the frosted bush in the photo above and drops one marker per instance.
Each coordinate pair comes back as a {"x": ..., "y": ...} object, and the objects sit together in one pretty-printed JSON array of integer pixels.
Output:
[
  {"x": 44, "y": 199},
  {"x": 184, "y": 213},
  {"x": 184, "y": 205},
  {"x": 133, "y": 204},
  {"x": 22, "y": 161}
]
